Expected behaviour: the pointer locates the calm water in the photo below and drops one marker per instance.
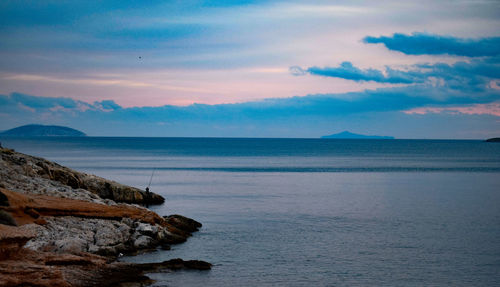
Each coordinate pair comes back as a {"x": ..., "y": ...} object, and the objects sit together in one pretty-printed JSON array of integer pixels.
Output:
[{"x": 296, "y": 212}]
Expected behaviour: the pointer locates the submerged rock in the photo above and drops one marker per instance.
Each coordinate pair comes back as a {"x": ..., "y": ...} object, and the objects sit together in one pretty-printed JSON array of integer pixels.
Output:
[{"x": 175, "y": 264}]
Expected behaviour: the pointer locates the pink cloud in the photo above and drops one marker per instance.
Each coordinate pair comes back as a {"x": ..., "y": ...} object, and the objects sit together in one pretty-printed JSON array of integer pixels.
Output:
[{"x": 477, "y": 109}]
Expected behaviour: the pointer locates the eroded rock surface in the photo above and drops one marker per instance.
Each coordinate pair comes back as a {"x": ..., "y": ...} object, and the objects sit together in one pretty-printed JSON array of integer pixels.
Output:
[
  {"x": 28, "y": 174},
  {"x": 56, "y": 223},
  {"x": 70, "y": 226}
]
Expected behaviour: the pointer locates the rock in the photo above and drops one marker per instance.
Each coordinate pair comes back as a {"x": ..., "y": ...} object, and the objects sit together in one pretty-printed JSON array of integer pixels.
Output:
[
  {"x": 67, "y": 178},
  {"x": 4, "y": 201},
  {"x": 197, "y": 265},
  {"x": 110, "y": 233},
  {"x": 143, "y": 242},
  {"x": 70, "y": 245},
  {"x": 31, "y": 212},
  {"x": 109, "y": 250},
  {"x": 147, "y": 229},
  {"x": 51, "y": 206},
  {"x": 20, "y": 172},
  {"x": 6, "y": 218},
  {"x": 174, "y": 230},
  {"x": 165, "y": 246},
  {"x": 40, "y": 221},
  {"x": 12, "y": 239},
  {"x": 169, "y": 238},
  {"x": 66, "y": 260},
  {"x": 64, "y": 215},
  {"x": 183, "y": 223},
  {"x": 176, "y": 264}
]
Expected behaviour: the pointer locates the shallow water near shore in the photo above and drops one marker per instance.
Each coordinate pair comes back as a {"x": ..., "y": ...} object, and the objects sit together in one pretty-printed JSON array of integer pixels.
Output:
[{"x": 295, "y": 212}]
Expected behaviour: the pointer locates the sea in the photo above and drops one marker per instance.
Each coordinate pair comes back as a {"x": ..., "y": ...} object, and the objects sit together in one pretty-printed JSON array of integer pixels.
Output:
[{"x": 311, "y": 212}]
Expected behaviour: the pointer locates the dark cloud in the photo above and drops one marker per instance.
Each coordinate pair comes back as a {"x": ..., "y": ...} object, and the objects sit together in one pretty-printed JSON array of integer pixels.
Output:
[
  {"x": 472, "y": 76},
  {"x": 37, "y": 102},
  {"x": 305, "y": 116},
  {"x": 428, "y": 44},
  {"x": 387, "y": 99},
  {"x": 347, "y": 71}
]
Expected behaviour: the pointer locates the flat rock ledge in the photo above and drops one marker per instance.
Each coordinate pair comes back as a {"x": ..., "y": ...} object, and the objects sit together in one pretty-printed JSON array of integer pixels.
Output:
[
  {"x": 26, "y": 267},
  {"x": 57, "y": 230}
]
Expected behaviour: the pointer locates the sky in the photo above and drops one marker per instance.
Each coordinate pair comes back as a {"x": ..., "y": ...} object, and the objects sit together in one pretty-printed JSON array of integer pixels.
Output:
[{"x": 408, "y": 69}]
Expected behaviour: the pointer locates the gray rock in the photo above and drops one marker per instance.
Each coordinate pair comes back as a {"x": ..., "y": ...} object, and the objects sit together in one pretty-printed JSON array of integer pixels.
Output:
[
  {"x": 146, "y": 229},
  {"x": 98, "y": 236},
  {"x": 70, "y": 245},
  {"x": 143, "y": 242}
]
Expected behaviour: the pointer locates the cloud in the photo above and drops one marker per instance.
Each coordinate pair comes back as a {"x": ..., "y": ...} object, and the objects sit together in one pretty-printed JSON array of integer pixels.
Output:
[
  {"x": 474, "y": 75},
  {"x": 378, "y": 100},
  {"x": 347, "y": 71},
  {"x": 477, "y": 109},
  {"x": 312, "y": 115},
  {"x": 47, "y": 104},
  {"x": 297, "y": 71},
  {"x": 428, "y": 44},
  {"x": 37, "y": 102}
]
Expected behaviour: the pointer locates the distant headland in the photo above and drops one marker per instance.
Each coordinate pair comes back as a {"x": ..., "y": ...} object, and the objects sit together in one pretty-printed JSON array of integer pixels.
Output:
[
  {"x": 493, "y": 140},
  {"x": 349, "y": 135},
  {"x": 42, "y": 131}
]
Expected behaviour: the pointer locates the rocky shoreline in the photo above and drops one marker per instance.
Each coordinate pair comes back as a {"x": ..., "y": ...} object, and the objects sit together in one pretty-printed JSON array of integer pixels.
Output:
[{"x": 60, "y": 227}]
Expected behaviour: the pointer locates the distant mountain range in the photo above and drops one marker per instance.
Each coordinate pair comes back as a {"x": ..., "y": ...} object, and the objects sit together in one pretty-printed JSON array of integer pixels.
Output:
[
  {"x": 349, "y": 135},
  {"x": 42, "y": 131}
]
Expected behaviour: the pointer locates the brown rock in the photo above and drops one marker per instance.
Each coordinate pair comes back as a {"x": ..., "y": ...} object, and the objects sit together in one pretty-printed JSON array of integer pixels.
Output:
[
  {"x": 40, "y": 221},
  {"x": 183, "y": 223},
  {"x": 53, "y": 206},
  {"x": 31, "y": 212}
]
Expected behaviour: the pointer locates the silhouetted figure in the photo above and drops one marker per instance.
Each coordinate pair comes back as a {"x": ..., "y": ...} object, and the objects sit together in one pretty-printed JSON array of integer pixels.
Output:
[{"x": 147, "y": 199}]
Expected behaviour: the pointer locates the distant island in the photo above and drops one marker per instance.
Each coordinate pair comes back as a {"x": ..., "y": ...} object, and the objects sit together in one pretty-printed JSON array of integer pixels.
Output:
[
  {"x": 349, "y": 135},
  {"x": 42, "y": 131},
  {"x": 493, "y": 140}
]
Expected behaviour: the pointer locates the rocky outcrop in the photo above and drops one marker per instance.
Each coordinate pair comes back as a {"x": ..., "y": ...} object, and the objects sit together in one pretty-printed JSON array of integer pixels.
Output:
[
  {"x": 71, "y": 226},
  {"x": 23, "y": 173},
  {"x": 24, "y": 267},
  {"x": 55, "y": 227}
]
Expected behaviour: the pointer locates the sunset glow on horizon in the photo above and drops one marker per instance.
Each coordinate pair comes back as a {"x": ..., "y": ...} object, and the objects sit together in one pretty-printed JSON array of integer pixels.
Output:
[{"x": 378, "y": 60}]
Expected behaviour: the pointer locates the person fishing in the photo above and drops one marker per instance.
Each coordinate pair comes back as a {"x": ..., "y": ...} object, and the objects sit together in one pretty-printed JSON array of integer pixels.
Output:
[{"x": 147, "y": 198}]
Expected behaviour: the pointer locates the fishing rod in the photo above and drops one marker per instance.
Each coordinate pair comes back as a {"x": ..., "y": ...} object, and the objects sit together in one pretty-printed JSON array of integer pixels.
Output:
[{"x": 149, "y": 184}]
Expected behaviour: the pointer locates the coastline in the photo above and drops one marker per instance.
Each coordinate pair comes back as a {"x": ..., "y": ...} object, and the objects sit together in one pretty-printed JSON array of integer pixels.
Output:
[{"x": 60, "y": 227}]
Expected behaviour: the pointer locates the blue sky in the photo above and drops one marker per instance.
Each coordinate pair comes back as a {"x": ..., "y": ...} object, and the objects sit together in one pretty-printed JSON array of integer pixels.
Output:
[{"x": 252, "y": 68}]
